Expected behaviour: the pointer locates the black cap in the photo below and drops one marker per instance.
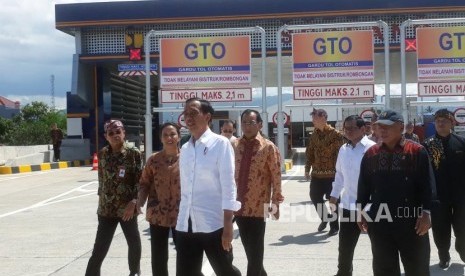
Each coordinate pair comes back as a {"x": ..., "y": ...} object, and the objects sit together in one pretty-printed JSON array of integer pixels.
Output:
[
  {"x": 389, "y": 117},
  {"x": 445, "y": 114}
]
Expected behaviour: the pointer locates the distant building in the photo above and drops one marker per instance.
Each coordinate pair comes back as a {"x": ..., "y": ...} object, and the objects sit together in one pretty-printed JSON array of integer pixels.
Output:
[{"x": 8, "y": 109}]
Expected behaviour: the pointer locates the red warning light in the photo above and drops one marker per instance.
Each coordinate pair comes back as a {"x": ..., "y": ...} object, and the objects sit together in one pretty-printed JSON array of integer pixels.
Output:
[
  {"x": 135, "y": 54},
  {"x": 410, "y": 45}
]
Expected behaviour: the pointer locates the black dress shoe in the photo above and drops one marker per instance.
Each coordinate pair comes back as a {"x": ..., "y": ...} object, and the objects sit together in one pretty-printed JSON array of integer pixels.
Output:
[
  {"x": 444, "y": 263},
  {"x": 333, "y": 232},
  {"x": 322, "y": 226}
]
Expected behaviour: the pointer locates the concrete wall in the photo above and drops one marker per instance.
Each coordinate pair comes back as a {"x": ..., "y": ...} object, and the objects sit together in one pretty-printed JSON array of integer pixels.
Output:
[
  {"x": 24, "y": 155},
  {"x": 71, "y": 149}
]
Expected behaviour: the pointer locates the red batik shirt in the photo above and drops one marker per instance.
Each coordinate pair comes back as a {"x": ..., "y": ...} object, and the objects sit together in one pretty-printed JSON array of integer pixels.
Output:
[{"x": 258, "y": 175}]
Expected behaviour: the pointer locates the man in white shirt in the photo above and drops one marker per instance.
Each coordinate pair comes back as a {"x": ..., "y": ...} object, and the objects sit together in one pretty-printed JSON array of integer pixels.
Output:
[
  {"x": 208, "y": 196},
  {"x": 346, "y": 181}
]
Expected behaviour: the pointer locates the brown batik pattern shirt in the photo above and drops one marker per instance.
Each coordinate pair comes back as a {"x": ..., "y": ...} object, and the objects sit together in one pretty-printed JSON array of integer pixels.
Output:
[
  {"x": 322, "y": 149},
  {"x": 258, "y": 175},
  {"x": 118, "y": 175},
  {"x": 160, "y": 182}
]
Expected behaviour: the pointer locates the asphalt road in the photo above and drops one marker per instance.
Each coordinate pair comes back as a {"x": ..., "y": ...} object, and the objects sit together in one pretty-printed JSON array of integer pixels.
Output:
[{"x": 48, "y": 223}]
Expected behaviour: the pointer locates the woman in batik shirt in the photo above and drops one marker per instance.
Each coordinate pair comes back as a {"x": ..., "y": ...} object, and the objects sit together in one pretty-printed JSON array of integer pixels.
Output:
[{"x": 160, "y": 183}]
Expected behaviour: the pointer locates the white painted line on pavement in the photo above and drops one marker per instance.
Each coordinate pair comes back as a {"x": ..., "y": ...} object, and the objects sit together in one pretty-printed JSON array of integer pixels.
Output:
[
  {"x": 21, "y": 175},
  {"x": 54, "y": 199}
]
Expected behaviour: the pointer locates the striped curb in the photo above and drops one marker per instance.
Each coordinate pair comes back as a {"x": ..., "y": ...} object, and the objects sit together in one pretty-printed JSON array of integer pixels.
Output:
[{"x": 44, "y": 166}]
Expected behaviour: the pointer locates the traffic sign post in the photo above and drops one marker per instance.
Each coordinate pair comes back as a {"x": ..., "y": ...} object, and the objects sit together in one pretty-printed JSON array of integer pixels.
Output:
[
  {"x": 367, "y": 115},
  {"x": 181, "y": 121},
  {"x": 285, "y": 118},
  {"x": 459, "y": 116}
]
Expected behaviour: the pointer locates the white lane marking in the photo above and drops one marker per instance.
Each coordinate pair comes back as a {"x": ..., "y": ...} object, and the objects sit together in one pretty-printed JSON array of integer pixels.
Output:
[
  {"x": 22, "y": 175},
  {"x": 55, "y": 199},
  {"x": 287, "y": 177}
]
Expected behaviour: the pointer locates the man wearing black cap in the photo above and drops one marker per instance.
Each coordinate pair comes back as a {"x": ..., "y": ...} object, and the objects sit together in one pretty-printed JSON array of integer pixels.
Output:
[
  {"x": 322, "y": 149},
  {"x": 447, "y": 155},
  {"x": 119, "y": 170},
  {"x": 396, "y": 178}
]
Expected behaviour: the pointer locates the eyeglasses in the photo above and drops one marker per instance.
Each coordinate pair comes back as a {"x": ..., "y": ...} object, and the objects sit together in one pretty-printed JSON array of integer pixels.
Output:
[
  {"x": 251, "y": 123},
  {"x": 111, "y": 133}
]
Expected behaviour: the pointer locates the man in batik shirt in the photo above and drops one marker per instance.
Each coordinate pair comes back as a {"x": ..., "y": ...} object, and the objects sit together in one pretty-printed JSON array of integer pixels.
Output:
[
  {"x": 119, "y": 170},
  {"x": 258, "y": 179},
  {"x": 322, "y": 149}
]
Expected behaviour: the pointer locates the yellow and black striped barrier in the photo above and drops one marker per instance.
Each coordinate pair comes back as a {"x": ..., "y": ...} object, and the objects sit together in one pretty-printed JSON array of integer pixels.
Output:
[
  {"x": 288, "y": 164},
  {"x": 44, "y": 166}
]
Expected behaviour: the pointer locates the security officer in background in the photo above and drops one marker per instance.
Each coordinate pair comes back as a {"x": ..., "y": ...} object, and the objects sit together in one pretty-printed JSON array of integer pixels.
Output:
[{"x": 447, "y": 155}]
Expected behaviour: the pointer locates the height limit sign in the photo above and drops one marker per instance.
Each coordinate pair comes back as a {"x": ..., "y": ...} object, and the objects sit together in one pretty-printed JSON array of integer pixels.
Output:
[{"x": 359, "y": 91}]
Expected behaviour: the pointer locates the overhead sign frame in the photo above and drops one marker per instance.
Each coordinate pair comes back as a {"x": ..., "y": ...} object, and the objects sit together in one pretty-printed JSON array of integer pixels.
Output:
[
  {"x": 286, "y": 28},
  {"x": 198, "y": 32},
  {"x": 425, "y": 56}
]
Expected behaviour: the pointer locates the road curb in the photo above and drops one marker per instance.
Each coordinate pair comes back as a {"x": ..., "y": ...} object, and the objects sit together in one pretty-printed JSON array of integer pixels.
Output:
[{"x": 43, "y": 166}]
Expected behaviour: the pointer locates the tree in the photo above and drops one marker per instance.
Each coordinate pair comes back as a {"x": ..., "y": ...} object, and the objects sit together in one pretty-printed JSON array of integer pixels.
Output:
[
  {"x": 6, "y": 126},
  {"x": 32, "y": 125},
  {"x": 34, "y": 111}
]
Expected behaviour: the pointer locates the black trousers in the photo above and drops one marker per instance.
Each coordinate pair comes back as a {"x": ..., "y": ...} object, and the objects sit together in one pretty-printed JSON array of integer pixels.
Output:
[
  {"x": 105, "y": 231},
  {"x": 190, "y": 247},
  {"x": 319, "y": 187},
  {"x": 348, "y": 238},
  {"x": 56, "y": 150},
  {"x": 252, "y": 231},
  {"x": 443, "y": 216},
  {"x": 159, "y": 236},
  {"x": 389, "y": 239}
]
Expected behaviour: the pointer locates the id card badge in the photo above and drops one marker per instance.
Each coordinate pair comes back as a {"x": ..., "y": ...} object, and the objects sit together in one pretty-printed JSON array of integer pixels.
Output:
[{"x": 122, "y": 172}]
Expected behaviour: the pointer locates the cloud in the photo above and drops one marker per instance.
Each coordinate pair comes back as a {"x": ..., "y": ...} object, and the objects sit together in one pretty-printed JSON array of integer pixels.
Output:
[
  {"x": 60, "y": 102},
  {"x": 33, "y": 50}
]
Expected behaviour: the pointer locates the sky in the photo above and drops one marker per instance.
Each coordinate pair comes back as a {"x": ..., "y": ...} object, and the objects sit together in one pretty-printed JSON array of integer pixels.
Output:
[{"x": 32, "y": 50}]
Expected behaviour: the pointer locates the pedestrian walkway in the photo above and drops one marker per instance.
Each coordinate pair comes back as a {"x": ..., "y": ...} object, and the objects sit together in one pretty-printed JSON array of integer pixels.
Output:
[
  {"x": 294, "y": 247},
  {"x": 62, "y": 204}
]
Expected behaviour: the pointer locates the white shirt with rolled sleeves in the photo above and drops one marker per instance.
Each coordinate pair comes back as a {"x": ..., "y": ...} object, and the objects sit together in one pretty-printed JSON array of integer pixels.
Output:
[
  {"x": 207, "y": 183},
  {"x": 347, "y": 172}
]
